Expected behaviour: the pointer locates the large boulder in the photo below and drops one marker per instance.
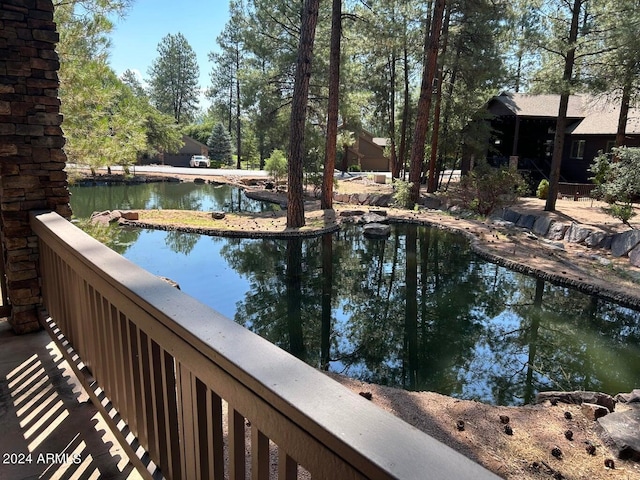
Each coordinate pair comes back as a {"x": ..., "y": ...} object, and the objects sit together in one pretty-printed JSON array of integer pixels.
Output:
[
  {"x": 526, "y": 221},
  {"x": 541, "y": 225},
  {"x": 634, "y": 256},
  {"x": 557, "y": 230},
  {"x": 511, "y": 216},
  {"x": 105, "y": 218},
  {"x": 371, "y": 217},
  {"x": 595, "y": 239},
  {"x": 578, "y": 398},
  {"x": 622, "y": 429},
  {"x": 623, "y": 243},
  {"x": 577, "y": 233},
  {"x": 376, "y": 230}
]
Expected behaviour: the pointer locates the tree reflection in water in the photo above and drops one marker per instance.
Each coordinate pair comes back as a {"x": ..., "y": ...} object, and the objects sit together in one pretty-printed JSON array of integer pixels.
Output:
[
  {"x": 422, "y": 312},
  {"x": 418, "y": 311}
]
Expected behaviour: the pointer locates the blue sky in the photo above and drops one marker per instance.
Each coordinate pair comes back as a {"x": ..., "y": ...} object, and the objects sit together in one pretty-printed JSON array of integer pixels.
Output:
[{"x": 135, "y": 38}]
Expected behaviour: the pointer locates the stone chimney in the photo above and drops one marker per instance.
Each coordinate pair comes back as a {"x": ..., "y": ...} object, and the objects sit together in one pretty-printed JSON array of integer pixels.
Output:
[{"x": 32, "y": 161}]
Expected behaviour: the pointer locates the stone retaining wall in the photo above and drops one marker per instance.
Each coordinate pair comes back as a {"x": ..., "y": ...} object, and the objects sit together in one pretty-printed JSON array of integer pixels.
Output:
[
  {"x": 625, "y": 244},
  {"x": 32, "y": 162}
]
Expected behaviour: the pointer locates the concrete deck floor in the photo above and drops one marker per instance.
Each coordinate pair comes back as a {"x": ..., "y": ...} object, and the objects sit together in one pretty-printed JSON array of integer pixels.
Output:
[{"x": 48, "y": 426}]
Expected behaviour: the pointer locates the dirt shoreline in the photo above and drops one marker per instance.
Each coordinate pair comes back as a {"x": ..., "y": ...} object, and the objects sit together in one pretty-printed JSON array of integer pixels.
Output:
[{"x": 526, "y": 453}]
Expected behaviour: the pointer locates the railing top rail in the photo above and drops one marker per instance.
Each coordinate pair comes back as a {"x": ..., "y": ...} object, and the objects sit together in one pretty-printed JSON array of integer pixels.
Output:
[{"x": 377, "y": 443}]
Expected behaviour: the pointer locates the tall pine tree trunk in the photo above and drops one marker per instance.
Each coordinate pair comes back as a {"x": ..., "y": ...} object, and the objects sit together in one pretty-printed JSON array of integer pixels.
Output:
[
  {"x": 624, "y": 111},
  {"x": 295, "y": 193},
  {"x": 402, "y": 161},
  {"x": 238, "y": 125},
  {"x": 326, "y": 200},
  {"x": 561, "y": 123},
  {"x": 435, "y": 135},
  {"x": 424, "y": 103}
]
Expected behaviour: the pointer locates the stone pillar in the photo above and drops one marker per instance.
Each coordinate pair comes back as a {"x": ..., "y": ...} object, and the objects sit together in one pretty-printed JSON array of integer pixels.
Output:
[{"x": 32, "y": 162}]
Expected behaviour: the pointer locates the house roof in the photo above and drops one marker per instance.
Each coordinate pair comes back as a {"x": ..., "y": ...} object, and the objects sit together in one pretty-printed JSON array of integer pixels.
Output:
[
  {"x": 543, "y": 106},
  {"x": 605, "y": 122},
  {"x": 594, "y": 115}
]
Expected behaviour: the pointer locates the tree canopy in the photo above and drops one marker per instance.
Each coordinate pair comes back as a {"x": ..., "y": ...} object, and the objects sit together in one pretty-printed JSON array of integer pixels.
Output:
[
  {"x": 416, "y": 73},
  {"x": 173, "y": 78}
]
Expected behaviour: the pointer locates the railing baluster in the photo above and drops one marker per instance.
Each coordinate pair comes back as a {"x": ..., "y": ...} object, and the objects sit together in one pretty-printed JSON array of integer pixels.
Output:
[
  {"x": 149, "y": 394},
  {"x": 159, "y": 407},
  {"x": 186, "y": 399},
  {"x": 128, "y": 407},
  {"x": 172, "y": 433},
  {"x": 216, "y": 436},
  {"x": 237, "y": 461},
  {"x": 119, "y": 396},
  {"x": 287, "y": 466},
  {"x": 259, "y": 455},
  {"x": 138, "y": 384}
]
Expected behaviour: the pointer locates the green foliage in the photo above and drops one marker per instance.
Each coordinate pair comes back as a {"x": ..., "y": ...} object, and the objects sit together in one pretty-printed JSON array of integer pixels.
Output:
[
  {"x": 315, "y": 179},
  {"x": 173, "y": 82},
  {"x": 617, "y": 181},
  {"x": 486, "y": 188},
  {"x": 623, "y": 212},
  {"x": 276, "y": 165},
  {"x": 200, "y": 131},
  {"x": 107, "y": 120},
  {"x": 355, "y": 168},
  {"x": 543, "y": 189},
  {"x": 220, "y": 145},
  {"x": 163, "y": 135},
  {"x": 402, "y": 194}
]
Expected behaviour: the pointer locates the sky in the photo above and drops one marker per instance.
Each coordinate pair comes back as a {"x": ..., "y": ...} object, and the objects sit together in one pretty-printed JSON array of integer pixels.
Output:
[{"x": 135, "y": 38}]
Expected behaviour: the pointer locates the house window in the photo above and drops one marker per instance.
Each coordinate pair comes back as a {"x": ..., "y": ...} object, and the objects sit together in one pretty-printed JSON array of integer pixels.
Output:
[
  {"x": 610, "y": 145},
  {"x": 577, "y": 149}
]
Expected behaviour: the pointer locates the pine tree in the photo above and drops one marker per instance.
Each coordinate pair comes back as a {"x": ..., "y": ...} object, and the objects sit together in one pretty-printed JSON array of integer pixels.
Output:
[
  {"x": 220, "y": 145},
  {"x": 173, "y": 82}
]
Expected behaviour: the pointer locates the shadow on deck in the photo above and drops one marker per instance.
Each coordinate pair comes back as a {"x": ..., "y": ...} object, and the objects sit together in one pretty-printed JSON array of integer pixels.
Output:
[{"x": 49, "y": 427}]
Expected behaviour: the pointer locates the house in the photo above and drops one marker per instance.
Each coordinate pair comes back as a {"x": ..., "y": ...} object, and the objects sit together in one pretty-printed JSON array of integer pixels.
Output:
[
  {"x": 368, "y": 153},
  {"x": 523, "y": 130},
  {"x": 181, "y": 159}
]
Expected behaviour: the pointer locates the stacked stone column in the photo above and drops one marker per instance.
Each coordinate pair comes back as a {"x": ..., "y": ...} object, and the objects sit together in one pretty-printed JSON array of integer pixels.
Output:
[{"x": 32, "y": 161}]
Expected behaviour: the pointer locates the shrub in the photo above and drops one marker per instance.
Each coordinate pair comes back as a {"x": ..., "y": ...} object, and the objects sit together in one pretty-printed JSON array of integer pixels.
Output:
[
  {"x": 486, "y": 188},
  {"x": 617, "y": 182},
  {"x": 316, "y": 180},
  {"x": 623, "y": 212},
  {"x": 542, "y": 192},
  {"x": 402, "y": 194},
  {"x": 355, "y": 168},
  {"x": 276, "y": 165}
]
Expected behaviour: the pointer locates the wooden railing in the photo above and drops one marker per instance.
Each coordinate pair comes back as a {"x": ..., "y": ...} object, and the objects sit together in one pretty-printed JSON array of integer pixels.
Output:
[
  {"x": 188, "y": 382},
  {"x": 576, "y": 191}
]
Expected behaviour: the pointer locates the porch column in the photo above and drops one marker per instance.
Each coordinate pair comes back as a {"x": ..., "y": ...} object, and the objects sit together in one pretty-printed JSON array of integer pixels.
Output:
[{"x": 32, "y": 162}]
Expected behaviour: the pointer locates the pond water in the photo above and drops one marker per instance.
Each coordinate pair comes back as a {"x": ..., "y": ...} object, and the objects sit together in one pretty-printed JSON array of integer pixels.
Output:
[{"x": 418, "y": 311}]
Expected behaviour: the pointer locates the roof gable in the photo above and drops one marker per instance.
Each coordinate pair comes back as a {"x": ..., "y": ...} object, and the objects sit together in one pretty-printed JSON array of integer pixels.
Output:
[
  {"x": 604, "y": 121},
  {"x": 541, "y": 106},
  {"x": 592, "y": 115}
]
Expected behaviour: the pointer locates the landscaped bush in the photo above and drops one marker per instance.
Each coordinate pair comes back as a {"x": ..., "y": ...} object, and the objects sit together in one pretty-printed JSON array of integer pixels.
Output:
[
  {"x": 542, "y": 191},
  {"x": 276, "y": 165},
  {"x": 402, "y": 194},
  {"x": 355, "y": 168},
  {"x": 316, "y": 180},
  {"x": 617, "y": 180},
  {"x": 486, "y": 188}
]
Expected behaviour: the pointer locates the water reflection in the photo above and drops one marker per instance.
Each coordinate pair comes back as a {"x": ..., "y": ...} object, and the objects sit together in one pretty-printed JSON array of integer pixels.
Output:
[
  {"x": 422, "y": 312},
  {"x": 418, "y": 311},
  {"x": 166, "y": 196}
]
